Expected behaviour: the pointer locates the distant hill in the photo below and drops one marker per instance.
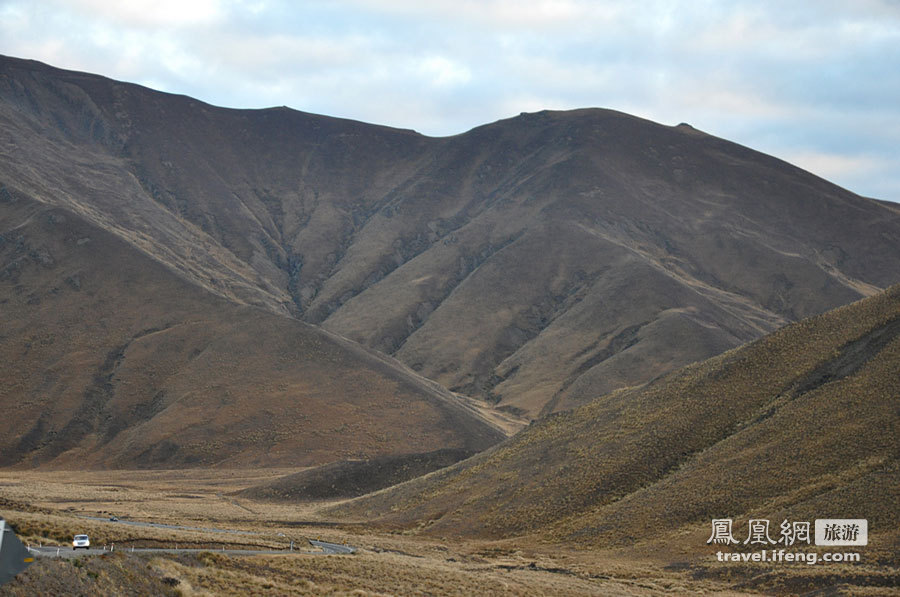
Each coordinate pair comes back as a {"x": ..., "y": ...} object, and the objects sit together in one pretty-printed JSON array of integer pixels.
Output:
[
  {"x": 352, "y": 478},
  {"x": 799, "y": 425},
  {"x": 536, "y": 262}
]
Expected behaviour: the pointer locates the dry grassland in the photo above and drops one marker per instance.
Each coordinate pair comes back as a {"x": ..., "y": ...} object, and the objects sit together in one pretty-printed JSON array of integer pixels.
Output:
[{"x": 45, "y": 507}]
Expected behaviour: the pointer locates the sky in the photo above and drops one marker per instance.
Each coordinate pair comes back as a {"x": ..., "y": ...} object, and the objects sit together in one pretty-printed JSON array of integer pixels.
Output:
[{"x": 814, "y": 82}]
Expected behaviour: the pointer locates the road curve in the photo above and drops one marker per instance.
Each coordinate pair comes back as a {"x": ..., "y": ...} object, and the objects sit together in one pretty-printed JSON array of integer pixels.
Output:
[{"x": 333, "y": 548}]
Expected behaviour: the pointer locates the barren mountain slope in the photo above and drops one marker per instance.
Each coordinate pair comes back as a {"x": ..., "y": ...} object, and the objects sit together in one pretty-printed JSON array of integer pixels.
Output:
[
  {"x": 538, "y": 261},
  {"x": 801, "y": 424},
  {"x": 110, "y": 359}
]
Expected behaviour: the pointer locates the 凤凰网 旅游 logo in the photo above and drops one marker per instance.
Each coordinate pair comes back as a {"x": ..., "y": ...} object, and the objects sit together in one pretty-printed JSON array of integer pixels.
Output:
[
  {"x": 842, "y": 531},
  {"x": 828, "y": 532}
]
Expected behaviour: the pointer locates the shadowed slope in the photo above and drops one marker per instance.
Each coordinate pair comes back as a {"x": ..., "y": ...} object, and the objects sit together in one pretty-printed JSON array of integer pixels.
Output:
[
  {"x": 110, "y": 359},
  {"x": 537, "y": 261},
  {"x": 351, "y": 478},
  {"x": 801, "y": 424}
]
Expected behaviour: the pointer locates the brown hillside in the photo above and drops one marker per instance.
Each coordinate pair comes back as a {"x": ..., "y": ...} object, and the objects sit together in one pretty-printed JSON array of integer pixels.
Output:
[
  {"x": 538, "y": 261},
  {"x": 110, "y": 359},
  {"x": 799, "y": 425},
  {"x": 352, "y": 478}
]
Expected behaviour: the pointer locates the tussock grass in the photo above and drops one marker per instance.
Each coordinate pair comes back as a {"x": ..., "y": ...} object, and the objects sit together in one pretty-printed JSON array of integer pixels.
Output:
[
  {"x": 384, "y": 565},
  {"x": 799, "y": 425},
  {"x": 106, "y": 575}
]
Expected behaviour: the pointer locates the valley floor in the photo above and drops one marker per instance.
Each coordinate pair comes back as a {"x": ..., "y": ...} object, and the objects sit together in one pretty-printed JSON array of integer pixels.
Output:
[{"x": 50, "y": 507}]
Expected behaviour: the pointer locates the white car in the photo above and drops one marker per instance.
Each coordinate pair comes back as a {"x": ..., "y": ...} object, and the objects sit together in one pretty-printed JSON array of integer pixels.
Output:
[{"x": 81, "y": 541}]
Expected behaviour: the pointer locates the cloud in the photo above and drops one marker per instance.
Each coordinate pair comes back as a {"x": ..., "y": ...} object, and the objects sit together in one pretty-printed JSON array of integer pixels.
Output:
[
  {"x": 505, "y": 14},
  {"x": 444, "y": 72},
  {"x": 148, "y": 13}
]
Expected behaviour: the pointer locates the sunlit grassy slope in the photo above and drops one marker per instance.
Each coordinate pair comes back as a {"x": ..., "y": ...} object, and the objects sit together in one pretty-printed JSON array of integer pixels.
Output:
[{"x": 800, "y": 424}]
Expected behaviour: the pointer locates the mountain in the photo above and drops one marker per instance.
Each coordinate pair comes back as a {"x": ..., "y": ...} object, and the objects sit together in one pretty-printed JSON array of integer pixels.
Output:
[
  {"x": 109, "y": 358},
  {"x": 799, "y": 425},
  {"x": 536, "y": 262}
]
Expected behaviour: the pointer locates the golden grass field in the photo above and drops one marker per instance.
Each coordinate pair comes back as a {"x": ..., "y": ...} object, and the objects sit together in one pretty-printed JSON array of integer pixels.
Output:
[{"x": 44, "y": 507}]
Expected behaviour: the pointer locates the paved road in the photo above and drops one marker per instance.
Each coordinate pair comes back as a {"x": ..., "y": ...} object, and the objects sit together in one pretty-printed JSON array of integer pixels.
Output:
[
  {"x": 332, "y": 548},
  {"x": 68, "y": 552},
  {"x": 64, "y": 552}
]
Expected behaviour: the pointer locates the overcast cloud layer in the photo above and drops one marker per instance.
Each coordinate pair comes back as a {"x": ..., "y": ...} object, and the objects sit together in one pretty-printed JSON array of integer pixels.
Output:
[{"x": 815, "y": 82}]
